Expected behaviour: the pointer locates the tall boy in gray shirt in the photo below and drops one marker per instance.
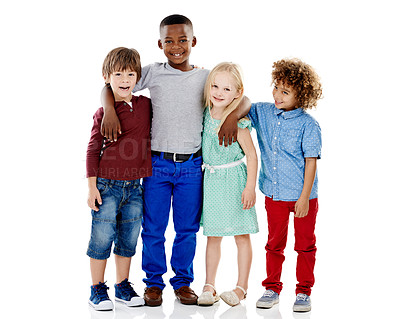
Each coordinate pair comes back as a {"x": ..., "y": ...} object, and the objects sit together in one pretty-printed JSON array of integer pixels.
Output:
[{"x": 176, "y": 98}]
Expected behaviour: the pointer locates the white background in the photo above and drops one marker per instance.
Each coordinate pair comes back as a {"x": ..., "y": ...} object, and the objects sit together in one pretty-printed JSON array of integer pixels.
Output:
[{"x": 51, "y": 58}]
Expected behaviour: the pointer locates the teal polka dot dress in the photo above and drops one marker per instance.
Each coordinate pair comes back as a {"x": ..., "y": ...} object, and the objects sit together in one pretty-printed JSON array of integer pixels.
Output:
[{"x": 223, "y": 213}]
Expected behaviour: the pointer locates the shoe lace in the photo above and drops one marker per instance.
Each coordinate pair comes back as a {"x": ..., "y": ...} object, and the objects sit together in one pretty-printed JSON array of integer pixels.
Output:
[
  {"x": 101, "y": 291},
  {"x": 269, "y": 293},
  {"x": 301, "y": 297},
  {"x": 127, "y": 288}
]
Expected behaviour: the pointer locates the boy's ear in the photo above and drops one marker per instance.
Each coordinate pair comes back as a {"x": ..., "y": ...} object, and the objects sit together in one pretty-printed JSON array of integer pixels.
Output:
[
  {"x": 194, "y": 41},
  {"x": 160, "y": 44}
]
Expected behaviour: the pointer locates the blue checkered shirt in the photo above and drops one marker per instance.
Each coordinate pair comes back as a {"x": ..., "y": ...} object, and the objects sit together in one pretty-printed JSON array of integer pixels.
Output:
[{"x": 285, "y": 139}]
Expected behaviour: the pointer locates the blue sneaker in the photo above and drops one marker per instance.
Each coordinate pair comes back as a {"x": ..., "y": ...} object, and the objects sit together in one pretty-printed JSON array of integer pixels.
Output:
[
  {"x": 268, "y": 299},
  {"x": 124, "y": 293},
  {"x": 99, "y": 298},
  {"x": 302, "y": 303}
]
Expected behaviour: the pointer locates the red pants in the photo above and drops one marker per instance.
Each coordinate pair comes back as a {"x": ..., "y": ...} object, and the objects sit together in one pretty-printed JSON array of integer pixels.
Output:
[{"x": 278, "y": 219}]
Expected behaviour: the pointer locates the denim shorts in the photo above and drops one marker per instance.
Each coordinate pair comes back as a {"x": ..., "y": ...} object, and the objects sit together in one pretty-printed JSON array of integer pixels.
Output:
[{"x": 118, "y": 220}]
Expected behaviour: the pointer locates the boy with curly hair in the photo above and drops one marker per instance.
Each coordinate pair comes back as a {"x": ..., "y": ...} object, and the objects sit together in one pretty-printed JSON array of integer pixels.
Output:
[{"x": 290, "y": 144}]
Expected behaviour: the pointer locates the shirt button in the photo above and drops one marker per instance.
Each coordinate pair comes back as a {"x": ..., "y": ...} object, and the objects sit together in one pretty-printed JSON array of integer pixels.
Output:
[
  {"x": 131, "y": 110},
  {"x": 274, "y": 167},
  {"x": 275, "y": 138},
  {"x": 279, "y": 123},
  {"x": 124, "y": 103},
  {"x": 274, "y": 182},
  {"x": 274, "y": 153}
]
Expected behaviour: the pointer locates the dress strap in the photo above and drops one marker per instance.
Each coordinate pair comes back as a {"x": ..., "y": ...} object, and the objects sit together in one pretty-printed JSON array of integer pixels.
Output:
[
  {"x": 209, "y": 285},
  {"x": 242, "y": 289}
]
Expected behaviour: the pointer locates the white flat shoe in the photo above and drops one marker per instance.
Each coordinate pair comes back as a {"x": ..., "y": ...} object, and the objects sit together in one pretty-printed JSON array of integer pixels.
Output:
[
  {"x": 207, "y": 298},
  {"x": 231, "y": 298}
]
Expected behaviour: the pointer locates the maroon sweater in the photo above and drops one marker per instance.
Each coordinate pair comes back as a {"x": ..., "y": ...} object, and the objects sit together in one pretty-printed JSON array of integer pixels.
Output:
[{"x": 130, "y": 157}]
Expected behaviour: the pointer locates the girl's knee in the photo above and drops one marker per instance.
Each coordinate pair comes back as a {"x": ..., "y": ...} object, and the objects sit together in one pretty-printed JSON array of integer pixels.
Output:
[
  {"x": 242, "y": 239},
  {"x": 214, "y": 239}
]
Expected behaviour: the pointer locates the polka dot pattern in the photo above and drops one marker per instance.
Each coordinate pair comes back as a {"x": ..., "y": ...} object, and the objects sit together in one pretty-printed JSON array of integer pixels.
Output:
[
  {"x": 223, "y": 213},
  {"x": 285, "y": 139}
]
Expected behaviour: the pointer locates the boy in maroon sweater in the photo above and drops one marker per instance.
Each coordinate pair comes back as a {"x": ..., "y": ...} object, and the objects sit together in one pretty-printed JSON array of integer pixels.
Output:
[{"x": 114, "y": 170}]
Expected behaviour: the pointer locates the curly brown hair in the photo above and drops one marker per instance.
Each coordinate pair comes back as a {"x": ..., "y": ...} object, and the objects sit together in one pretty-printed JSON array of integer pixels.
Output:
[{"x": 302, "y": 78}]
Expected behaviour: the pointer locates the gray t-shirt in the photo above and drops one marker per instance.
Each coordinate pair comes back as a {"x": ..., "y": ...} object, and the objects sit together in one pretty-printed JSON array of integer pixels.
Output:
[{"x": 177, "y": 101}]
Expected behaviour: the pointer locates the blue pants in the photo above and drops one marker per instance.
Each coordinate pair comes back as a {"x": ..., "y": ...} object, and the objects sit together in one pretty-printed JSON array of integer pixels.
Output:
[{"x": 182, "y": 182}]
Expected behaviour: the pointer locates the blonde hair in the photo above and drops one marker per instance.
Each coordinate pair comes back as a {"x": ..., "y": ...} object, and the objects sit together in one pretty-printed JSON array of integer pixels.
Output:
[{"x": 235, "y": 71}]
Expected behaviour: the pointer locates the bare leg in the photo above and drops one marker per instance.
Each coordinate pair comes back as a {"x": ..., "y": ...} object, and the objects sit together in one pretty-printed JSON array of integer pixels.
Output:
[
  {"x": 245, "y": 256},
  {"x": 97, "y": 269},
  {"x": 213, "y": 255},
  {"x": 122, "y": 265}
]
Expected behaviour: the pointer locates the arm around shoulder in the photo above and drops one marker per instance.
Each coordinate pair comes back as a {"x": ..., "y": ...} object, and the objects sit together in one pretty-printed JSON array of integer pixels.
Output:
[
  {"x": 229, "y": 130},
  {"x": 110, "y": 125}
]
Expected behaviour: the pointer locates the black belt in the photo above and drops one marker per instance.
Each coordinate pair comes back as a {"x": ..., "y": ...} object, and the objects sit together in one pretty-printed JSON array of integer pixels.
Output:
[{"x": 177, "y": 157}]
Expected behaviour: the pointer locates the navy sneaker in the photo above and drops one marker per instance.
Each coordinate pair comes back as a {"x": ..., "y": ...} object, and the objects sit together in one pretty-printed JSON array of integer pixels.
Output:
[
  {"x": 124, "y": 293},
  {"x": 302, "y": 303},
  {"x": 268, "y": 299},
  {"x": 99, "y": 298}
]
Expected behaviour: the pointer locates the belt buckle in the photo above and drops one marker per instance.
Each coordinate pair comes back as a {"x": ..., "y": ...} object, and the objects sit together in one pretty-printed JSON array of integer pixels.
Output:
[{"x": 176, "y": 160}]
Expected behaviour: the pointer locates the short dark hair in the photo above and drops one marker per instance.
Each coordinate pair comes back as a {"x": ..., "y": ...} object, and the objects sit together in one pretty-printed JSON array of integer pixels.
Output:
[{"x": 176, "y": 19}]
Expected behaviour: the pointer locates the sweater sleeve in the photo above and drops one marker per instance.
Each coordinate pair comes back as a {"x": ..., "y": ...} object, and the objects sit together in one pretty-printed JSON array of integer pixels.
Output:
[{"x": 95, "y": 145}]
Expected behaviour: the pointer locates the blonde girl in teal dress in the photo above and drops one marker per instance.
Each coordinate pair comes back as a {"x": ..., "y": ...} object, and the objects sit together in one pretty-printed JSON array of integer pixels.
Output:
[{"x": 229, "y": 186}]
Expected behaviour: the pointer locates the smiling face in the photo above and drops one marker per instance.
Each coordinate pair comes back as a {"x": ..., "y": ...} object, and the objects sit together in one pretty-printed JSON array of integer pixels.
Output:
[
  {"x": 223, "y": 90},
  {"x": 177, "y": 40},
  {"x": 122, "y": 84},
  {"x": 284, "y": 96}
]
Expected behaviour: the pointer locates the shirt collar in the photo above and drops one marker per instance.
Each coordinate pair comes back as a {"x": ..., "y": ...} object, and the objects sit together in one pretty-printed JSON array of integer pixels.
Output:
[{"x": 289, "y": 114}]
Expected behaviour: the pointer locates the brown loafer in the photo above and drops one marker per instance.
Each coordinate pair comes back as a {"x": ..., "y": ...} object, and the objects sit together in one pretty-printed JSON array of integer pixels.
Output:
[
  {"x": 152, "y": 296},
  {"x": 186, "y": 295}
]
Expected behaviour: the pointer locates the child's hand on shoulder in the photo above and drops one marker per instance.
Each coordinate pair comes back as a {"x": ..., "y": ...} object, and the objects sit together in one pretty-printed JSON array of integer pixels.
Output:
[
  {"x": 110, "y": 125},
  {"x": 248, "y": 198},
  {"x": 301, "y": 207}
]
